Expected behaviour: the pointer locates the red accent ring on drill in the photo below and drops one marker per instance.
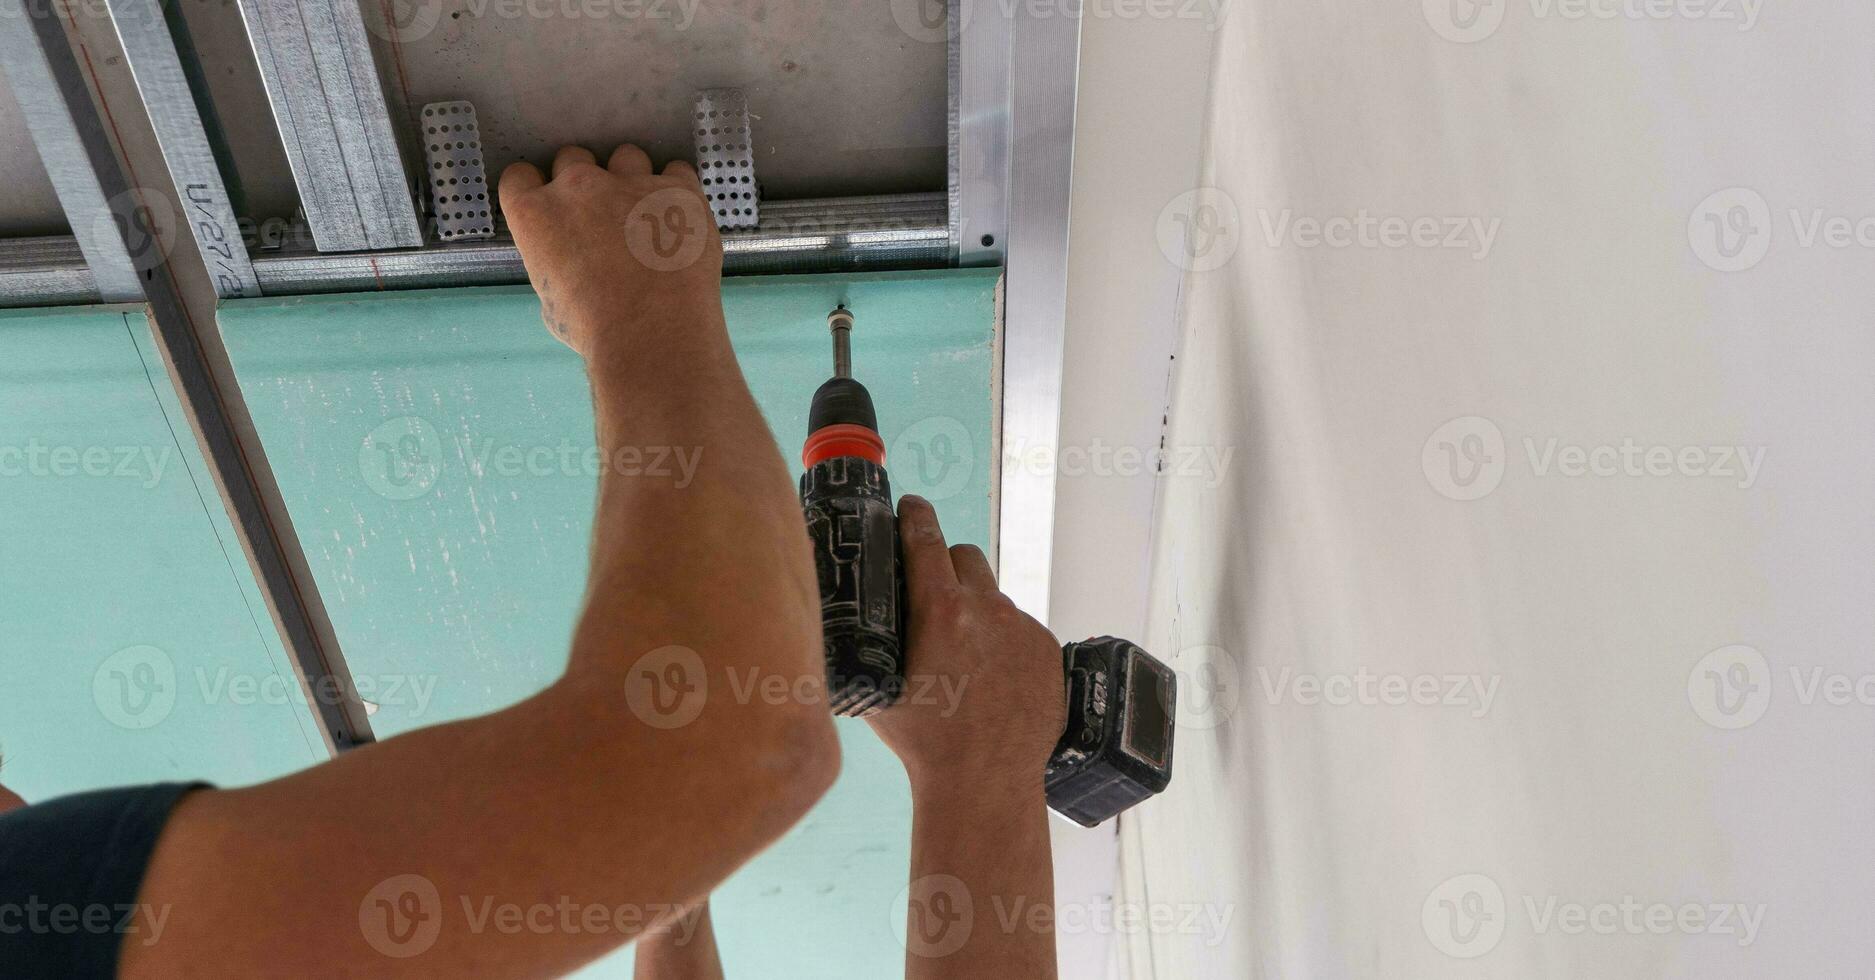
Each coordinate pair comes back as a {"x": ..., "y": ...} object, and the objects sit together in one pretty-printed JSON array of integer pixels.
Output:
[{"x": 843, "y": 439}]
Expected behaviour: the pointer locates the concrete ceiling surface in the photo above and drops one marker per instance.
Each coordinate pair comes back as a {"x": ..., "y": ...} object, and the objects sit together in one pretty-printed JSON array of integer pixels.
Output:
[
  {"x": 28, "y": 205},
  {"x": 844, "y": 100}
]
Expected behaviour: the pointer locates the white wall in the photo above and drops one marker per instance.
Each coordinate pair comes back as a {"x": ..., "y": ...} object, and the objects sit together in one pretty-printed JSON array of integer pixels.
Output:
[
  {"x": 1138, "y": 124},
  {"x": 1604, "y": 773}
]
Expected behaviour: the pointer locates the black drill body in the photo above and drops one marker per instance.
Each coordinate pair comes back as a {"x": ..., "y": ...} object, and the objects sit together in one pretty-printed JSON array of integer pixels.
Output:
[
  {"x": 848, "y": 504},
  {"x": 847, "y": 499},
  {"x": 1117, "y": 747}
]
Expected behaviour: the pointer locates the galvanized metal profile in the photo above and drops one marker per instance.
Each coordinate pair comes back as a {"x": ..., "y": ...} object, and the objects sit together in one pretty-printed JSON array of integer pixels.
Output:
[
  {"x": 979, "y": 162},
  {"x": 29, "y": 45},
  {"x": 150, "y": 50},
  {"x": 1044, "y": 59},
  {"x": 455, "y": 172},
  {"x": 47, "y": 271},
  {"x": 726, "y": 157},
  {"x": 328, "y": 101},
  {"x": 330, "y": 692},
  {"x": 833, "y": 235}
]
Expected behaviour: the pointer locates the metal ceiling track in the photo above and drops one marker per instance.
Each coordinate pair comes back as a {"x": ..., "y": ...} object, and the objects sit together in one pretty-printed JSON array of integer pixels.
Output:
[
  {"x": 315, "y": 60},
  {"x": 1014, "y": 68},
  {"x": 143, "y": 29},
  {"x": 361, "y": 229},
  {"x": 129, "y": 265},
  {"x": 1013, "y": 71}
]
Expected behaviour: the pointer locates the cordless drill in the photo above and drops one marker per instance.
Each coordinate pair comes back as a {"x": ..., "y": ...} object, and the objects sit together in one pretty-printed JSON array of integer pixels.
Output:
[{"x": 1117, "y": 747}]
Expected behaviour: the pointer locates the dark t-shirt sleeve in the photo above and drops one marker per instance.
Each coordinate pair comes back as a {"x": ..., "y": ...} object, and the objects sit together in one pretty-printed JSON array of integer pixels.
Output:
[{"x": 70, "y": 869}]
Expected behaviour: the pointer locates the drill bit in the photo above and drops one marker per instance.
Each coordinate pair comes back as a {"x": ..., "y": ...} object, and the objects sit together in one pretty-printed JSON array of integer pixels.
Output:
[{"x": 840, "y": 323}]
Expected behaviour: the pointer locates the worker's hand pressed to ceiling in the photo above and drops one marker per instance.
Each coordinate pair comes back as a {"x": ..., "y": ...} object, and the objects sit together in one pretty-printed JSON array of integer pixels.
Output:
[
  {"x": 613, "y": 244},
  {"x": 984, "y": 703}
]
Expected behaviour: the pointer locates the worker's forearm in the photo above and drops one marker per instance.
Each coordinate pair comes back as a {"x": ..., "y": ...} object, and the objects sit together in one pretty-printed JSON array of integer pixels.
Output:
[
  {"x": 721, "y": 517},
  {"x": 981, "y": 870},
  {"x": 681, "y": 949}
]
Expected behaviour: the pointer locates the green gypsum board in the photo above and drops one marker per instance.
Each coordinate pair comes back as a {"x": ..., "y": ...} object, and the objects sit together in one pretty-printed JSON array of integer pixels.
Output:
[
  {"x": 432, "y": 449},
  {"x": 134, "y": 643}
]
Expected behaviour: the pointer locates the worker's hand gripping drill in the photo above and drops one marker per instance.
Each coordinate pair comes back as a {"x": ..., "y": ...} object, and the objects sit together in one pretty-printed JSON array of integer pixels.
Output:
[
  {"x": 1108, "y": 748},
  {"x": 1001, "y": 667}
]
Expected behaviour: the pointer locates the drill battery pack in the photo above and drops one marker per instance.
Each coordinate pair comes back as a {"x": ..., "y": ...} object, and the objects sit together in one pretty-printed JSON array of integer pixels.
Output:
[{"x": 1117, "y": 748}]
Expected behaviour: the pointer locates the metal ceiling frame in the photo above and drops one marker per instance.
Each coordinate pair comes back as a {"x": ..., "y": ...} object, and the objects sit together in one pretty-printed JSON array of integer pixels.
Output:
[
  {"x": 979, "y": 133},
  {"x": 334, "y": 120},
  {"x": 40, "y": 55},
  {"x": 833, "y": 235},
  {"x": 53, "y": 114},
  {"x": 45, "y": 271},
  {"x": 1013, "y": 74},
  {"x": 150, "y": 50},
  {"x": 1018, "y": 66}
]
